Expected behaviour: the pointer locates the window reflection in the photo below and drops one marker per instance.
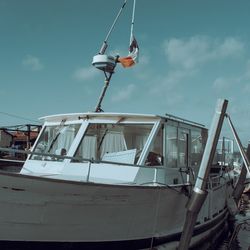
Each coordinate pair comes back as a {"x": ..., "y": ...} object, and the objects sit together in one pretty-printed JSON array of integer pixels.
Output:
[
  {"x": 196, "y": 147},
  {"x": 114, "y": 142},
  {"x": 183, "y": 147},
  {"x": 55, "y": 140},
  {"x": 171, "y": 146},
  {"x": 155, "y": 156}
]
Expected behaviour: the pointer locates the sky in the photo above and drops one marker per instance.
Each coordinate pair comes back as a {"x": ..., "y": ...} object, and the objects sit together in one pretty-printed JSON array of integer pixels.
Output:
[{"x": 191, "y": 53}]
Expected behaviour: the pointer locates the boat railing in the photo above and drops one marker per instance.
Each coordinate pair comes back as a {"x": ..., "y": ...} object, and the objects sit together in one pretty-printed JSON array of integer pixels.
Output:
[
  {"x": 75, "y": 158},
  {"x": 11, "y": 160},
  {"x": 154, "y": 170},
  {"x": 214, "y": 181}
]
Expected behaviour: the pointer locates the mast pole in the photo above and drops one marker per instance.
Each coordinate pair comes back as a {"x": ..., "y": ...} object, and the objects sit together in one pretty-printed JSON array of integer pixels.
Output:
[
  {"x": 105, "y": 87},
  {"x": 132, "y": 23},
  {"x": 105, "y": 45}
]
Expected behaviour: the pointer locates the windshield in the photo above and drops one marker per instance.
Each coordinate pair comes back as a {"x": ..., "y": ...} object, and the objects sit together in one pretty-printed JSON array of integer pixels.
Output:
[
  {"x": 114, "y": 142},
  {"x": 55, "y": 140}
]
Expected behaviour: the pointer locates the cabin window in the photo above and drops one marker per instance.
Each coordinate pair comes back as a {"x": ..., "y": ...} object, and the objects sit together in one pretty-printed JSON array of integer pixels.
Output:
[
  {"x": 171, "y": 146},
  {"x": 224, "y": 151},
  {"x": 55, "y": 140},
  {"x": 183, "y": 135},
  {"x": 196, "y": 147},
  {"x": 155, "y": 156},
  {"x": 113, "y": 142}
]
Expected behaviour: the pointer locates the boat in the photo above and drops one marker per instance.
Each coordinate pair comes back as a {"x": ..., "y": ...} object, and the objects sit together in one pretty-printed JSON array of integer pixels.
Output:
[
  {"x": 102, "y": 180},
  {"x": 110, "y": 181}
]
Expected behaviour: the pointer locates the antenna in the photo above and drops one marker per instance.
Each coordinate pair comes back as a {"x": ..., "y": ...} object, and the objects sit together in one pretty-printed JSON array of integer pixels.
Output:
[
  {"x": 132, "y": 23},
  {"x": 105, "y": 45},
  {"x": 108, "y": 63},
  {"x": 104, "y": 62}
]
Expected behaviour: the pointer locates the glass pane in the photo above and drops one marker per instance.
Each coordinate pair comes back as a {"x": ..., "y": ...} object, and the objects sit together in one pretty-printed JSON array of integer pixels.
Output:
[
  {"x": 183, "y": 147},
  {"x": 224, "y": 151},
  {"x": 196, "y": 148},
  {"x": 114, "y": 142},
  {"x": 171, "y": 146},
  {"x": 55, "y": 140},
  {"x": 155, "y": 156}
]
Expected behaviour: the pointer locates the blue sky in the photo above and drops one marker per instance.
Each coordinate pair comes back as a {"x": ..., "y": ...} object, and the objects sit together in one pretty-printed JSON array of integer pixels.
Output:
[{"x": 191, "y": 53}]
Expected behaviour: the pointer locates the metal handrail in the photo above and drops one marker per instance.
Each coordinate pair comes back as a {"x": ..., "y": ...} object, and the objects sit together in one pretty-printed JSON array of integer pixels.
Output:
[
  {"x": 81, "y": 159},
  {"x": 11, "y": 160},
  {"x": 90, "y": 161}
]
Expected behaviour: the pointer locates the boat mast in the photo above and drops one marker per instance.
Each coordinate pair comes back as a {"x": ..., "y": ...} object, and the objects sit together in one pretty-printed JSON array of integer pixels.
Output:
[
  {"x": 108, "y": 76},
  {"x": 108, "y": 63},
  {"x": 132, "y": 24},
  {"x": 105, "y": 44}
]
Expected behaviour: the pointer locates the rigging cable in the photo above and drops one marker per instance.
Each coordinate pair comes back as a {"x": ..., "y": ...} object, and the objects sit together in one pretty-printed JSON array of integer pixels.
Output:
[{"x": 19, "y": 117}]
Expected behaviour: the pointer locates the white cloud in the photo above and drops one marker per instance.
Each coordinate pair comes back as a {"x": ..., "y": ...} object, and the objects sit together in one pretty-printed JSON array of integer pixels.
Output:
[
  {"x": 247, "y": 73},
  {"x": 239, "y": 83},
  {"x": 169, "y": 82},
  {"x": 124, "y": 94},
  {"x": 174, "y": 99},
  {"x": 190, "y": 53},
  {"x": 230, "y": 47},
  {"x": 141, "y": 69},
  {"x": 143, "y": 60},
  {"x": 247, "y": 88},
  {"x": 33, "y": 63},
  {"x": 86, "y": 73},
  {"x": 221, "y": 83}
]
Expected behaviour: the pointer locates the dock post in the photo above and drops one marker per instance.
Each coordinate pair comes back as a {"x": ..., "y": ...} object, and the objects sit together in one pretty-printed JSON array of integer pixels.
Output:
[{"x": 199, "y": 192}]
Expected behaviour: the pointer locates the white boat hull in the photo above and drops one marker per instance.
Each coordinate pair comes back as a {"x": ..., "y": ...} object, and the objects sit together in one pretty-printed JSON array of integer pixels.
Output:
[{"x": 36, "y": 210}]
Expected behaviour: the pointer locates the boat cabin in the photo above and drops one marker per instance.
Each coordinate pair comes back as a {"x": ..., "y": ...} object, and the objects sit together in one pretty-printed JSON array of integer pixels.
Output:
[{"x": 118, "y": 149}]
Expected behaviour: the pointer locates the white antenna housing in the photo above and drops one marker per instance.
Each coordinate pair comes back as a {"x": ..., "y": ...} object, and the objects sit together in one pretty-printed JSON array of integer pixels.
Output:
[{"x": 104, "y": 62}]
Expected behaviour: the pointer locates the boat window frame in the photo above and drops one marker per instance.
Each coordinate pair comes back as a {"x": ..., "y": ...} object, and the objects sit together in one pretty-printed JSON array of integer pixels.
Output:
[
  {"x": 185, "y": 127},
  {"x": 155, "y": 122},
  {"x": 56, "y": 123},
  {"x": 98, "y": 121}
]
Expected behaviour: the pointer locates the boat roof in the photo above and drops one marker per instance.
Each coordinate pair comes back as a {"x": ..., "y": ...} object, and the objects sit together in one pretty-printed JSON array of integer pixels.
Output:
[
  {"x": 106, "y": 115},
  {"x": 110, "y": 115}
]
